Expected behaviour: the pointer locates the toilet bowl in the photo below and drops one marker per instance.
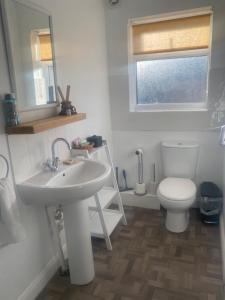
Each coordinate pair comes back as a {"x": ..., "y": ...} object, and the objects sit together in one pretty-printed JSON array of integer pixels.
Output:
[
  {"x": 177, "y": 191},
  {"x": 177, "y": 195}
]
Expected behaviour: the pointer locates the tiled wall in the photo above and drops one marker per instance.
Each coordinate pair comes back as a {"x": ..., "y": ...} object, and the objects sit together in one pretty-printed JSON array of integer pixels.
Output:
[
  {"x": 210, "y": 166},
  {"x": 29, "y": 152}
]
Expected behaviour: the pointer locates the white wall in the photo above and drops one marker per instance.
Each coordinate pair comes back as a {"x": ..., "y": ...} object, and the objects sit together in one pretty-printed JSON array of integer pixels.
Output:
[
  {"x": 146, "y": 129},
  {"x": 83, "y": 65},
  {"x": 117, "y": 45},
  {"x": 15, "y": 258}
]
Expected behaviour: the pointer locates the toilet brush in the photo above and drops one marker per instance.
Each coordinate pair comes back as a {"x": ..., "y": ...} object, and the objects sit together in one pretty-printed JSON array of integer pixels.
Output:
[
  {"x": 153, "y": 183},
  {"x": 126, "y": 188}
]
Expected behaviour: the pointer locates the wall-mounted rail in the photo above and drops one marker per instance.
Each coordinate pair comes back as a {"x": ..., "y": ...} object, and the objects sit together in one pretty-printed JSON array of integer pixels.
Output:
[{"x": 7, "y": 165}]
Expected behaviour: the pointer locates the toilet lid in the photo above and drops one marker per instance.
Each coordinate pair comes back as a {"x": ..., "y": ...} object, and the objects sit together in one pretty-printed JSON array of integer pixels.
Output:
[{"x": 177, "y": 189}]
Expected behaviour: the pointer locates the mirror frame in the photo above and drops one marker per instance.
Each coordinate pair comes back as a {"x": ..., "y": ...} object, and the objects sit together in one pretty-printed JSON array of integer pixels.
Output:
[{"x": 10, "y": 59}]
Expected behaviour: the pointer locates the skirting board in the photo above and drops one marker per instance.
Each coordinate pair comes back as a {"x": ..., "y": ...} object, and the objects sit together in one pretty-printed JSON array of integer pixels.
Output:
[
  {"x": 222, "y": 239},
  {"x": 146, "y": 201},
  {"x": 38, "y": 284}
]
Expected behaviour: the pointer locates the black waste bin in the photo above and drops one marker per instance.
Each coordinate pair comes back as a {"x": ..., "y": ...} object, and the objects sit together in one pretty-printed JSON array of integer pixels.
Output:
[{"x": 210, "y": 203}]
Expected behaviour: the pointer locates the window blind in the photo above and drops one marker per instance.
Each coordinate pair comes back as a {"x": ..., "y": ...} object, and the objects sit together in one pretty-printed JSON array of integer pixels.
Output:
[
  {"x": 189, "y": 33},
  {"x": 45, "y": 47}
]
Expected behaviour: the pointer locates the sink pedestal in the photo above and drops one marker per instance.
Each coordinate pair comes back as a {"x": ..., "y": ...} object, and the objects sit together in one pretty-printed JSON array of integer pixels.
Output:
[
  {"x": 79, "y": 247},
  {"x": 70, "y": 188}
]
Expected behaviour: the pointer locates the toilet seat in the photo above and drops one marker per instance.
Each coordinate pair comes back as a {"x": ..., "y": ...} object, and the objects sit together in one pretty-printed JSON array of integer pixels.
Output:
[{"x": 177, "y": 189}]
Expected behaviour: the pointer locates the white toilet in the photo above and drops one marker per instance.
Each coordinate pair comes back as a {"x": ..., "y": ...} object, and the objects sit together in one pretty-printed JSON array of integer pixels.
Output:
[{"x": 177, "y": 192}]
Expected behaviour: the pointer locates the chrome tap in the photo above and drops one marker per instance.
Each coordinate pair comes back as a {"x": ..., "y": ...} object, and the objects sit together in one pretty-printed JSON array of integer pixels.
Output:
[{"x": 53, "y": 163}]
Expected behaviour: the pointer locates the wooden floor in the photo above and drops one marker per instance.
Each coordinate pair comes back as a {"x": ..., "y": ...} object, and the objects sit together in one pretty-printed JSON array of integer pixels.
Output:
[{"x": 150, "y": 263}]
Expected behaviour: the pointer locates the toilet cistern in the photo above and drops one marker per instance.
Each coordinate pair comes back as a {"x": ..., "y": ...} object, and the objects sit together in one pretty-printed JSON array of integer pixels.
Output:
[{"x": 53, "y": 164}]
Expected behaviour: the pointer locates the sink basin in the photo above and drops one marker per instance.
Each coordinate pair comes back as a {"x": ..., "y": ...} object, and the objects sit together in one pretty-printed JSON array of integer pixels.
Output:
[
  {"x": 72, "y": 183},
  {"x": 71, "y": 187}
]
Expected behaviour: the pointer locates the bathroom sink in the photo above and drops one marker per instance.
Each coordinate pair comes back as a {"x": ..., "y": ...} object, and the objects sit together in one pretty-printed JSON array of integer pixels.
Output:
[
  {"x": 73, "y": 183},
  {"x": 70, "y": 187}
]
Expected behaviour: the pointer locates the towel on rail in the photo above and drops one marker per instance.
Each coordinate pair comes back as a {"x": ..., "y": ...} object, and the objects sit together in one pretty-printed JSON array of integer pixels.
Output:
[{"x": 11, "y": 229}]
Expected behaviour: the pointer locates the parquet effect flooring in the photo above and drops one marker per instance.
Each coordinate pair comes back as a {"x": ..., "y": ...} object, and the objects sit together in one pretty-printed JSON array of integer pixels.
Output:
[{"x": 150, "y": 263}]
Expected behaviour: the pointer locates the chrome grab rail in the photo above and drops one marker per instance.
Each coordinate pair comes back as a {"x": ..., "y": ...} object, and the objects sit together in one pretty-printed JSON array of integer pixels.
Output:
[{"x": 7, "y": 165}]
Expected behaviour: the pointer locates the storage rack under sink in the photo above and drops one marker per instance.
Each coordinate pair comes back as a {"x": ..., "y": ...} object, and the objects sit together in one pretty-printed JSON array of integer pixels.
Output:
[{"x": 104, "y": 220}]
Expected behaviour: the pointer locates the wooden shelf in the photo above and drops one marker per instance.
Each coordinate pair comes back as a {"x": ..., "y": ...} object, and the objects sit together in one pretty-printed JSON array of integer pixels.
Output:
[
  {"x": 87, "y": 153},
  {"x": 44, "y": 124}
]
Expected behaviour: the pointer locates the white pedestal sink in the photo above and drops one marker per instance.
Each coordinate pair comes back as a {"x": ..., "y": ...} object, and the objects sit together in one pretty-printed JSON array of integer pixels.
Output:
[{"x": 69, "y": 188}]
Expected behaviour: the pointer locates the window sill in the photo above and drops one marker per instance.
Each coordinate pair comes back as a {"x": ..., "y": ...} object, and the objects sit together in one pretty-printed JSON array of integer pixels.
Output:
[{"x": 169, "y": 108}]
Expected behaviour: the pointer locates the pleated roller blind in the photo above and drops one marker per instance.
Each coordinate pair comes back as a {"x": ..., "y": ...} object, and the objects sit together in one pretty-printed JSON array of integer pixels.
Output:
[
  {"x": 45, "y": 47},
  {"x": 189, "y": 33}
]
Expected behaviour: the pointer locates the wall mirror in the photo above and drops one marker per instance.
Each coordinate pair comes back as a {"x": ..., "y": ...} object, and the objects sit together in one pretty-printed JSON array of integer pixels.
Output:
[{"x": 30, "y": 51}]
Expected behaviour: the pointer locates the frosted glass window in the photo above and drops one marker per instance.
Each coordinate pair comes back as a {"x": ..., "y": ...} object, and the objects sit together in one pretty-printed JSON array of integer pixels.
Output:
[{"x": 172, "y": 80}]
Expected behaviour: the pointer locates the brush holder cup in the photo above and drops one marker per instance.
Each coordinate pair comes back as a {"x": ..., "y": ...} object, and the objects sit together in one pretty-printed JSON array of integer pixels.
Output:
[{"x": 153, "y": 187}]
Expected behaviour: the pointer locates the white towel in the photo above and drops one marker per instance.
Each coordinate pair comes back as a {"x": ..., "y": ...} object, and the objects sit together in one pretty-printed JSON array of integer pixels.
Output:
[{"x": 11, "y": 229}]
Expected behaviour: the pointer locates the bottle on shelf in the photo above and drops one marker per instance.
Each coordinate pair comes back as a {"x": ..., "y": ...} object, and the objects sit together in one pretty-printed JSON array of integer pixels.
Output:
[{"x": 10, "y": 111}]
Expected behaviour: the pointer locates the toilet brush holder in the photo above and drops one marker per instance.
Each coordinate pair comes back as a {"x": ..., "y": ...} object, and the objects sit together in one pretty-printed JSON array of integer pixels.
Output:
[
  {"x": 153, "y": 187},
  {"x": 140, "y": 189}
]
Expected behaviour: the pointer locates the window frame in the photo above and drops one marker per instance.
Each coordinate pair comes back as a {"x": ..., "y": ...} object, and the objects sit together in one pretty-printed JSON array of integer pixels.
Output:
[{"x": 133, "y": 59}]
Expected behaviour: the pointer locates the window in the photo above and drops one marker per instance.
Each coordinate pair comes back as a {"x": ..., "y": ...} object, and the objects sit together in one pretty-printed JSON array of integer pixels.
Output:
[
  {"x": 42, "y": 58},
  {"x": 169, "y": 58},
  {"x": 45, "y": 47}
]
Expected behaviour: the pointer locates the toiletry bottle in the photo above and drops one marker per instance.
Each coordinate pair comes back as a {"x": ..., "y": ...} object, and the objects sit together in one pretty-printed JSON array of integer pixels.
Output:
[{"x": 9, "y": 108}]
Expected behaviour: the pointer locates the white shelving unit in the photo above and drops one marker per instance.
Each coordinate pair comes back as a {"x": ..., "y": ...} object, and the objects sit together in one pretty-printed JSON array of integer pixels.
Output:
[
  {"x": 107, "y": 195},
  {"x": 111, "y": 221},
  {"x": 103, "y": 220}
]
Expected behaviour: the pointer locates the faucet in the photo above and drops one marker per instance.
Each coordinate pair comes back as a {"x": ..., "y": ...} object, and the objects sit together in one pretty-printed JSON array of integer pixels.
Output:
[{"x": 53, "y": 163}]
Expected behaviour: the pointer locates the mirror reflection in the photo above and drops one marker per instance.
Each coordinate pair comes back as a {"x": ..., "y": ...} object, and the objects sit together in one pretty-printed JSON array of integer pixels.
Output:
[{"x": 30, "y": 38}]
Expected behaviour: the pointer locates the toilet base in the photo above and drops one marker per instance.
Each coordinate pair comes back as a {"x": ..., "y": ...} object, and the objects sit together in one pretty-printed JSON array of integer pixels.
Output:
[{"x": 177, "y": 221}]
